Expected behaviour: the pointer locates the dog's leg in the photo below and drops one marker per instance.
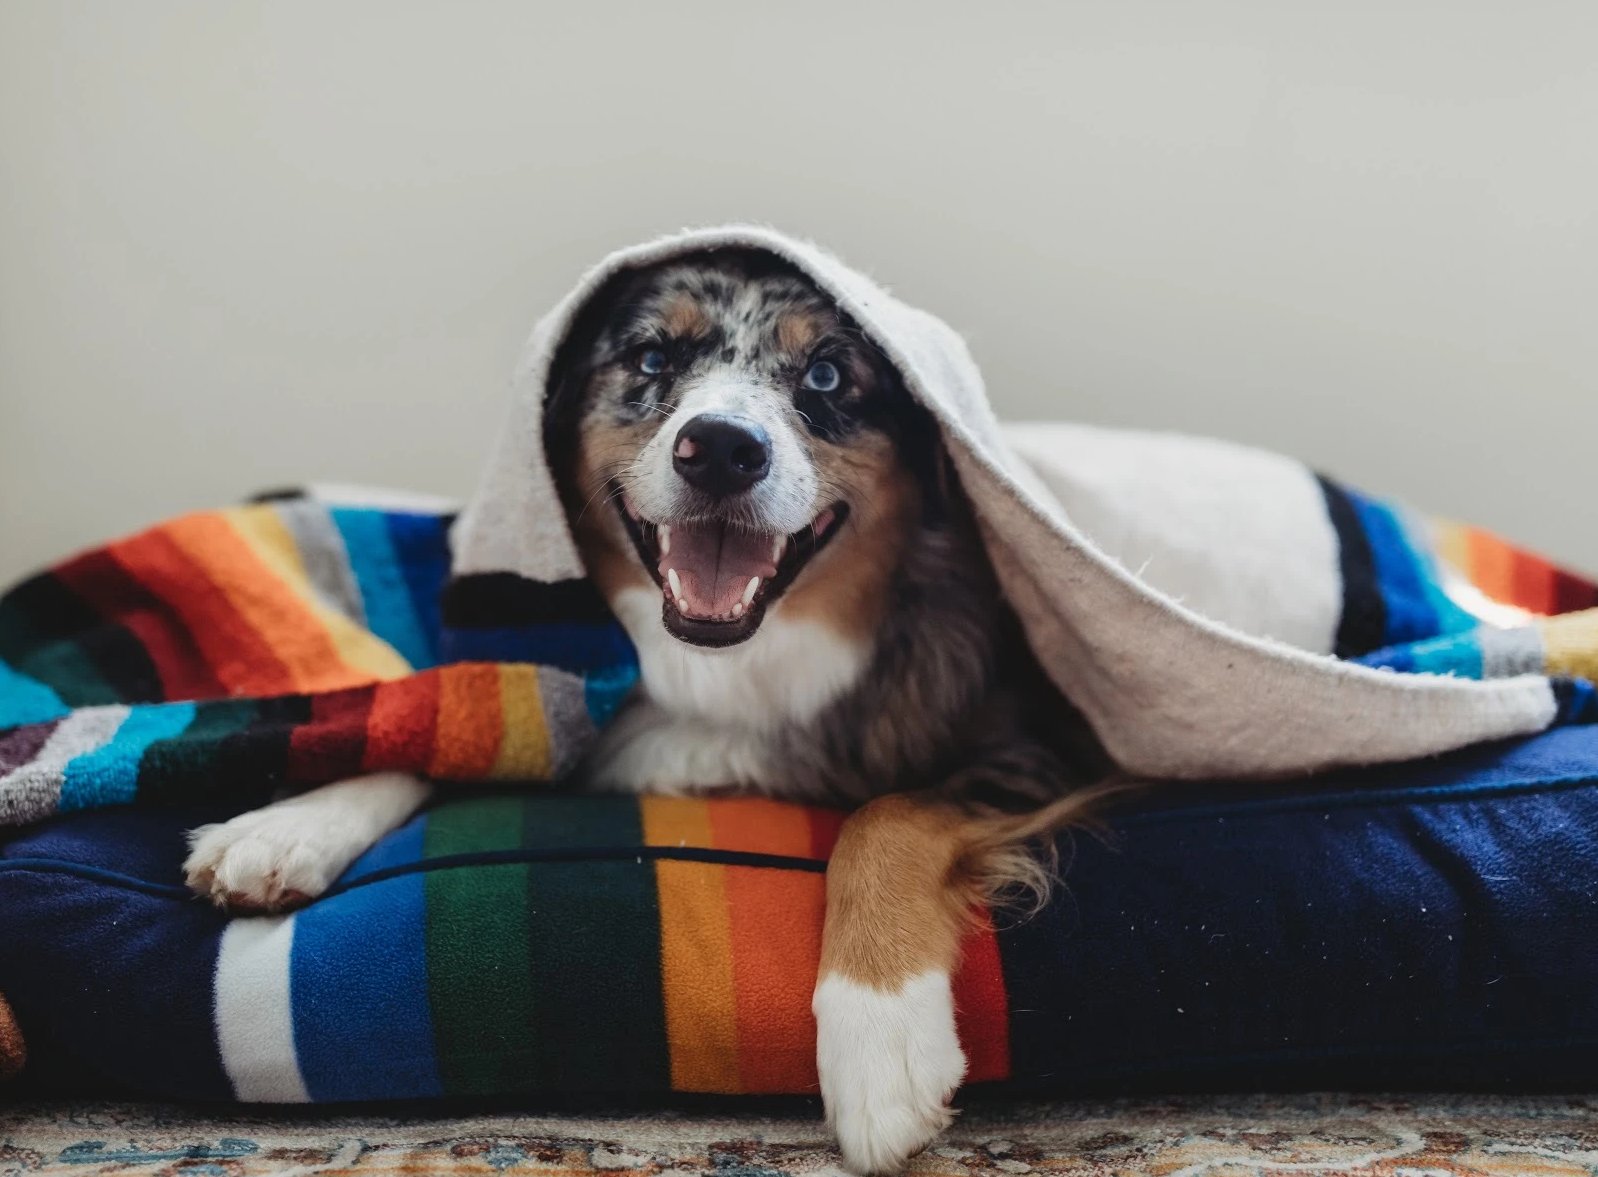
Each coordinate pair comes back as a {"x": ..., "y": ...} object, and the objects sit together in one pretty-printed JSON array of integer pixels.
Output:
[
  {"x": 287, "y": 853},
  {"x": 886, "y": 1046}
]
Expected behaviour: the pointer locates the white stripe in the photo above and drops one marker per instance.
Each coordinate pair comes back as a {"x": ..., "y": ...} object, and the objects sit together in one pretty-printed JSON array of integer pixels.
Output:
[
  {"x": 1238, "y": 535},
  {"x": 33, "y": 790},
  {"x": 254, "y": 1016}
]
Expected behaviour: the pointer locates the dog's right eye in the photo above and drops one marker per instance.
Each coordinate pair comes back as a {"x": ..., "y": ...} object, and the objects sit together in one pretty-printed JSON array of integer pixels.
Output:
[{"x": 651, "y": 361}]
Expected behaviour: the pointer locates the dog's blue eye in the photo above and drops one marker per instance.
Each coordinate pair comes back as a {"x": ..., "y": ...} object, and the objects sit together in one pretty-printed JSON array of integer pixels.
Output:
[
  {"x": 823, "y": 376},
  {"x": 652, "y": 361}
]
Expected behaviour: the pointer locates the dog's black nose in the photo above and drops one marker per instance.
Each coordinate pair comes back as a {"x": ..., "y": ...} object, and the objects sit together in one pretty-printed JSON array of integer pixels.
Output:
[{"x": 722, "y": 455}]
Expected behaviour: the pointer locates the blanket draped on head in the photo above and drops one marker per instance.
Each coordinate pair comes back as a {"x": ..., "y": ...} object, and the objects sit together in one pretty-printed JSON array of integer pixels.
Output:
[{"x": 1214, "y": 611}]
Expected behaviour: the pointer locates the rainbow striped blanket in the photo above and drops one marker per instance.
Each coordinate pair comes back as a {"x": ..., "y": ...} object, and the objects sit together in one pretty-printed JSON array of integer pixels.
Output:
[
  {"x": 293, "y": 642},
  {"x": 288, "y": 642}
]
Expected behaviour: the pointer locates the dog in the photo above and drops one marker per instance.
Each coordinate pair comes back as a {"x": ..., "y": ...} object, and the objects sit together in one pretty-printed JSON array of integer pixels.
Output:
[{"x": 771, "y": 516}]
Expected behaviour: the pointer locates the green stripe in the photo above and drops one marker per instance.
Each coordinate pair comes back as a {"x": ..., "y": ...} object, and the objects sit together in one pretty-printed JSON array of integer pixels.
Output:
[
  {"x": 478, "y": 948},
  {"x": 188, "y": 767},
  {"x": 42, "y": 629},
  {"x": 598, "y": 1013}
]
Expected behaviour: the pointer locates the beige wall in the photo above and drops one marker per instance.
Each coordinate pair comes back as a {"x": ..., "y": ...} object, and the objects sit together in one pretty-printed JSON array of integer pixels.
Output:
[{"x": 245, "y": 244}]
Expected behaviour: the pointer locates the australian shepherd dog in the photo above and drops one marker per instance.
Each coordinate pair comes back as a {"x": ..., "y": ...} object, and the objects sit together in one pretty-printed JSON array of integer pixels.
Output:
[{"x": 774, "y": 521}]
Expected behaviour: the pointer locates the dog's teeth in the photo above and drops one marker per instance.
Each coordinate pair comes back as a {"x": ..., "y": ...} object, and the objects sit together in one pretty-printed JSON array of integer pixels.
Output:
[
  {"x": 676, "y": 585},
  {"x": 776, "y": 548},
  {"x": 737, "y": 610},
  {"x": 665, "y": 539},
  {"x": 749, "y": 593}
]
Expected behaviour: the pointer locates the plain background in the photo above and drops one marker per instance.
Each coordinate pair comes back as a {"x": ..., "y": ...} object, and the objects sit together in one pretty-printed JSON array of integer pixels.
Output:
[{"x": 248, "y": 244}]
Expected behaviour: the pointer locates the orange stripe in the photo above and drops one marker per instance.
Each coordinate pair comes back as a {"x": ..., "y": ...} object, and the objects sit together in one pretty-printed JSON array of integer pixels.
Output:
[
  {"x": 760, "y": 826},
  {"x": 1492, "y": 565},
  {"x": 776, "y": 918},
  {"x": 270, "y": 607},
  {"x": 469, "y": 722},
  {"x": 399, "y": 729},
  {"x": 982, "y": 1004},
  {"x": 695, "y": 951},
  {"x": 242, "y": 661}
]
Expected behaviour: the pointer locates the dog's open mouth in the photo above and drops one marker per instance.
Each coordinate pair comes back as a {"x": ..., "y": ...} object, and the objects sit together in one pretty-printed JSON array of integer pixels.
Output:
[{"x": 718, "y": 580}]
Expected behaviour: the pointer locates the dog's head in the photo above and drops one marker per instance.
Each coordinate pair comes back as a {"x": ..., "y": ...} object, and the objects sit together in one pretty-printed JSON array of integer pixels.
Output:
[{"x": 727, "y": 438}]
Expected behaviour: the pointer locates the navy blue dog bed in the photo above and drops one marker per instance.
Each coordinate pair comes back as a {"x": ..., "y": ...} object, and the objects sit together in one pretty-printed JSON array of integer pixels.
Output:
[{"x": 1425, "y": 925}]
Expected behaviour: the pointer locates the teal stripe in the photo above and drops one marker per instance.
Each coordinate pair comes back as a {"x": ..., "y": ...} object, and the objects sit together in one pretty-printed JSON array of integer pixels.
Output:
[
  {"x": 385, "y": 591},
  {"x": 26, "y": 700},
  {"x": 1457, "y": 654},
  {"x": 110, "y": 774}
]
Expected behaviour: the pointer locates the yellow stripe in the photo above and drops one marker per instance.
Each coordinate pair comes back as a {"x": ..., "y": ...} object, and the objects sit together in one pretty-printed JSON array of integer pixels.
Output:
[
  {"x": 695, "y": 950},
  {"x": 1570, "y": 644},
  {"x": 524, "y": 746},
  {"x": 1453, "y": 546},
  {"x": 273, "y": 544}
]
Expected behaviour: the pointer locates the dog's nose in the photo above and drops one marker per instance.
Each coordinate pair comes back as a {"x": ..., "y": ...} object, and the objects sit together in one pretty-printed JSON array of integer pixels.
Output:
[{"x": 722, "y": 455}]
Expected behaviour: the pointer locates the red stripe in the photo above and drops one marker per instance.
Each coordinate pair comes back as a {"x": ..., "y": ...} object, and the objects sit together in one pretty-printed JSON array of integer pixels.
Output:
[
  {"x": 229, "y": 646},
  {"x": 332, "y": 745},
  {"x": 982, "y": 1005},
  {"x": 1573, "y": 593},
  {"x": 400, "y": 726},
  {"x": 824, "y": 827},
  {"x": 113, "y": 591},
  {"x": 1534, "y": 585}
]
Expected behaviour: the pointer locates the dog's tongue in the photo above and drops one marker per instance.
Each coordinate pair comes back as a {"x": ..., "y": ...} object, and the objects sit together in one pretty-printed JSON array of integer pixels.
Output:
[{"x": 714, "y": 565}]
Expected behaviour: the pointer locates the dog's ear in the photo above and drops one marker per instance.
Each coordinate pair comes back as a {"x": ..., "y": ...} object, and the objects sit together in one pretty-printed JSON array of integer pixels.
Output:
[{"x": 922, "y": 450}]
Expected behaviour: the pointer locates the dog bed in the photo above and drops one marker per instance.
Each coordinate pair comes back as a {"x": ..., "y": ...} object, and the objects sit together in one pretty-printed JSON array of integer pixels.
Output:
[{"x": 1430, "y": 925}]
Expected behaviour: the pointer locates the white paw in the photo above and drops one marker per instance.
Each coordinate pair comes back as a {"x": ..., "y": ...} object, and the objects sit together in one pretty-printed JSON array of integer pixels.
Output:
[
  {"x": 889, "y": 1063},
  {"x": 267, "y": 860}
]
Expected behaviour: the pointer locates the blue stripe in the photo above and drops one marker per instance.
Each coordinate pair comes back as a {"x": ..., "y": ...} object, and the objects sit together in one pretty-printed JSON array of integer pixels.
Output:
[
  {"x": 1410, "y": 616},
  {"x": 606, "y": 691},
  {"x": 363, "y": 1029},
  {"x": 26, "y": 700},
  {"x": 1452, "y": 618},
  {"x": 385, "y": 593},
  {"x": 1577, "y": 699},
  {"x": 422, "y": 545},
  {"x": 110, "y": 774}
]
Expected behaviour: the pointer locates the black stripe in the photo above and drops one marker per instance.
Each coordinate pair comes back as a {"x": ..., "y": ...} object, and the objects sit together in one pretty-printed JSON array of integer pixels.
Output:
[
  {"x": 489, "y": 600},
  {"x": 1363, "y": 624},
  {"x": 50, "y": 633}
]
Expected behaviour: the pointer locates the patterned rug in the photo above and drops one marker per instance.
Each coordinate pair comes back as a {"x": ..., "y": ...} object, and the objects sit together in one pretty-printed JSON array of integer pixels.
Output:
[{"x": 1226, "y": 1136}]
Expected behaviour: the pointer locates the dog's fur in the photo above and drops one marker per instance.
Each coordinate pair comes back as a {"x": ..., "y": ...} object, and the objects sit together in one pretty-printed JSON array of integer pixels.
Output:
[{"x": 875, "y": 666}]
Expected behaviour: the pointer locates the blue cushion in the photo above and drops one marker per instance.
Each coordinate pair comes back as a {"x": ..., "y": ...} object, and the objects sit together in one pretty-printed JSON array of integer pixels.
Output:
[{"x": 1421, "y": 925}]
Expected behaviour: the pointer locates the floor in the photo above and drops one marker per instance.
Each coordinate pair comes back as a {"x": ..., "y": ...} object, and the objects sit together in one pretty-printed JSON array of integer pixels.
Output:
[{"x": 1211, "y": 1136}]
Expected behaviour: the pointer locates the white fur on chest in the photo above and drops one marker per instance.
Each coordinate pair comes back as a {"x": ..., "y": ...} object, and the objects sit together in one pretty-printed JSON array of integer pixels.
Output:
[{"x": 707, "y": 719}]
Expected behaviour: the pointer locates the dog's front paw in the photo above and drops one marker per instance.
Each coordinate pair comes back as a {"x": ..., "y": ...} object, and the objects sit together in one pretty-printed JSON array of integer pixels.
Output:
[
  {"x": 889, "y": 1063},
  {"x": 265, "y": 861}
]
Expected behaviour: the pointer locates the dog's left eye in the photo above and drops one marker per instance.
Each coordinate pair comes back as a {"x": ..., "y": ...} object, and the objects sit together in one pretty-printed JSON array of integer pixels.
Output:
[
  {"x": 823, "y": 376},
  {"x": 651, "y": 361}
]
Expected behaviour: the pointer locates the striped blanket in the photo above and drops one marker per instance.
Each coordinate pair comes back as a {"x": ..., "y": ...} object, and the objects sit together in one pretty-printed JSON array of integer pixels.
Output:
[
  {"x": 288, "y": 642},
  {"x": 292, "y": 642}
]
